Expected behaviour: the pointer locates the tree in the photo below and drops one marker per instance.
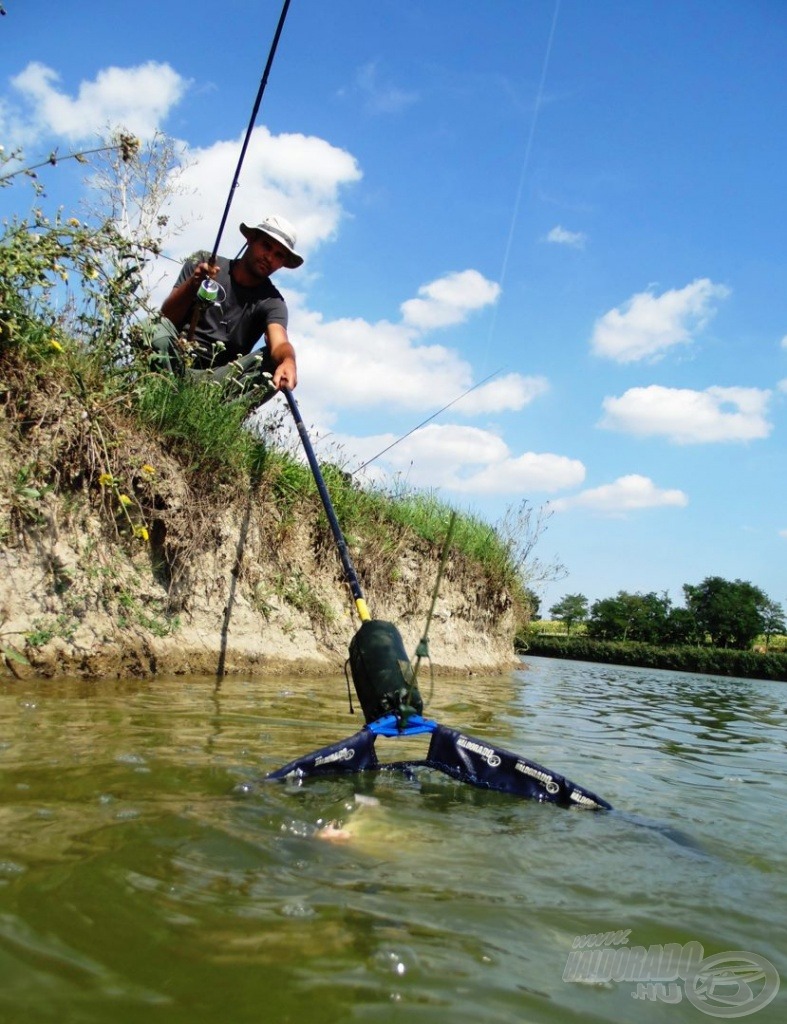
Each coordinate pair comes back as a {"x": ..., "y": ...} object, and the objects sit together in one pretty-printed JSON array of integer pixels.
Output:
[
  {"x": 681, "y": 628},
  {"x": 642, "y": 617},
  {"x": 773, "y": 621},
  {"x": 731, "y": 614},
  {"x": 570, "y": 610}
]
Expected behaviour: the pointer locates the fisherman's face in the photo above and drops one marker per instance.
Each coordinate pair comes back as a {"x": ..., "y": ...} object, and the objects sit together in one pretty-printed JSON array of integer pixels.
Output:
[{"x": 264, "y": 255}]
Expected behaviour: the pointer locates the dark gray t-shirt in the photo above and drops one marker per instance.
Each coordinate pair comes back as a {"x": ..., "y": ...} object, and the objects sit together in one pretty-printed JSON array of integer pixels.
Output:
[{"x": 236, "y": 322}]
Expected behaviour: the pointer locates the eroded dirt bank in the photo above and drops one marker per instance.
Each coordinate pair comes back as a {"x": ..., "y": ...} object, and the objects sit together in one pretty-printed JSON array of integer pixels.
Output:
[{"x": 251, "y": 591}]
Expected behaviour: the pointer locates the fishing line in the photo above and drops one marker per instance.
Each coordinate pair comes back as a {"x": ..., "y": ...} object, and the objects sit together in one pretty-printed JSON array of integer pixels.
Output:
[
  {"x": 424, "y": 422},
  {"x": 523, "y": 173}
]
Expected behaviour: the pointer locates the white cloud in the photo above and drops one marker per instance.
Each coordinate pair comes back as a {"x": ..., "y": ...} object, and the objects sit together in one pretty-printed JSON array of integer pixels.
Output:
[
  {"x": 466, "y": 460},
  {"x": 783, "y": 533},
  {"x": 784, "y": 341},
  {"x": 626, "y": 494},
  {"x": 347, "y": 362},
  {"x": 449, "y": 299},
  {"x": 562, "y": 236},
  {"x": 521, "y": 474},
  {"x": 782, "y": 385},
  {"x": 136, "y": 98},
  {"x": 352, "y": 363},
  {"x": 647, "y": 325},
  {"x": 690, "y": 417},
  {"x": 381, "y": 97}
]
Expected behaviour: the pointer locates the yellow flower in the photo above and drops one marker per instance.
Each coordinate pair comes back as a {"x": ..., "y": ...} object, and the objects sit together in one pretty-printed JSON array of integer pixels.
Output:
[
  {"x": 91, "y": 273},
  {"x": 73, "y": 222},
  {"x": 55, "y": 345},
  {"x": 106, "y": 480},
  {"x": 124, "y": 500},
  {"x": 142, "y": 533},
  {"x": 149, "y": 470}
]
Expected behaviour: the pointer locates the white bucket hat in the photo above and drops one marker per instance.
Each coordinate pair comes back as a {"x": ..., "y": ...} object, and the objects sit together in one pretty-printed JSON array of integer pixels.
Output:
[{"x": 281, "y": 231}]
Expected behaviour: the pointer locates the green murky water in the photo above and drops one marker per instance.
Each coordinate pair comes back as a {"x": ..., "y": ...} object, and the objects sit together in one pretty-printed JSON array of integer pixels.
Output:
[{"x": 146, "y": 877}]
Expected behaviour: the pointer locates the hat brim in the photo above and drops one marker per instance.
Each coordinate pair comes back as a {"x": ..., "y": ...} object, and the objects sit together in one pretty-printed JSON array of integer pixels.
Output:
[{"x": 293, "y": 260}]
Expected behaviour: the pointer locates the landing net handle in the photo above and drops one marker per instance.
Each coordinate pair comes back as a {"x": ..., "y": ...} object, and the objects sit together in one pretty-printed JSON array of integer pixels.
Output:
[{"x": 341, "y": 544}]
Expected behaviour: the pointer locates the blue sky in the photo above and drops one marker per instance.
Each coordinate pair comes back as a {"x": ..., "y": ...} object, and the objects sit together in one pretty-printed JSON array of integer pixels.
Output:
[{"x": 586, "y": 199}]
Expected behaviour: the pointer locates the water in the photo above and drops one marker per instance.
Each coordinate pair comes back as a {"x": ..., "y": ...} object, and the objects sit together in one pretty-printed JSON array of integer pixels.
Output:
[{"x": 145, "y": 875}]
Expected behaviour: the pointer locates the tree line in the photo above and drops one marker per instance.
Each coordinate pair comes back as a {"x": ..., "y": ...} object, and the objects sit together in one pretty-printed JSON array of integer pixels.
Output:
[{"x": 718, "y": 613}]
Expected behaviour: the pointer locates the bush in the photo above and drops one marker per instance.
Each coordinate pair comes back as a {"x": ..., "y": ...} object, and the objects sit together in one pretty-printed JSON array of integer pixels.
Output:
[{"x": 711, "y": 660}]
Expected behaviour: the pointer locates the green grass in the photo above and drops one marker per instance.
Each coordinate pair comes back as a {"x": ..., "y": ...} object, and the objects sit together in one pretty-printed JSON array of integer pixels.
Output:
[{"x": 205, "y": 432}]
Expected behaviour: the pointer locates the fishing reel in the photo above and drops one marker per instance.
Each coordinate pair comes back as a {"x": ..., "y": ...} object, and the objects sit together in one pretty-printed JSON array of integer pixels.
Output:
[{"x": 208, "y": 291}]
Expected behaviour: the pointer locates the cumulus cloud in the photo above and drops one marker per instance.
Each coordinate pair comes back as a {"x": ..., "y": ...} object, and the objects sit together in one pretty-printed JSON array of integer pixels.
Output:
[
  {"x": 354, "y": 363},
  {"x": 690, "y": 417},
  {"x": 468, "y": 460},
  {"x": 782, "y": 385},
  {"x": 562, "y": 236},
  {"x": 300, "y": 177},
  {"x": 136, "y": 98},
  {"x": 448, "y": 300},
  {"x": 626, "y": 494},
  {"x": 647, "y": 325},
  {"x": 347, "y": 362}
]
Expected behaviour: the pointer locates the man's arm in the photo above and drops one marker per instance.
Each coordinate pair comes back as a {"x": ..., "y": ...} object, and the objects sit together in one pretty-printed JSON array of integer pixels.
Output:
[
  {"x": 283, "y": 354},
  {"x": 178, "y": 304}
]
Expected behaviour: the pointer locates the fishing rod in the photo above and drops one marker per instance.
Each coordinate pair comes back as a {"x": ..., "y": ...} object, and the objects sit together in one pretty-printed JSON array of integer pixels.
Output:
[
  {"x": 422, "y": 650},
  {"x": 208, "y": 289},
  {"x": 253, "y": 118}
]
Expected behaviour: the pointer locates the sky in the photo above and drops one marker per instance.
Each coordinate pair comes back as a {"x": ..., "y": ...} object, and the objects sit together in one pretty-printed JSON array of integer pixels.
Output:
[{"x": 576, "y": 210}]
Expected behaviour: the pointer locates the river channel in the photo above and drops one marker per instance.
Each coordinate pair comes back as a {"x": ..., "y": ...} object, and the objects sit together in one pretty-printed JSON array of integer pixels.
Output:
[{"x": 148, "y": 875}]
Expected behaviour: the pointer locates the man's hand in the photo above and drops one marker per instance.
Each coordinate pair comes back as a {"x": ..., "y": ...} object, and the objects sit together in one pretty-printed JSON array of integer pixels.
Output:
[
  {"x": 283, "y": 354},
  {"x": 286, "y": 374},
  {"x": 178, "y": 304},
  {"x": 201, "y": 271}
]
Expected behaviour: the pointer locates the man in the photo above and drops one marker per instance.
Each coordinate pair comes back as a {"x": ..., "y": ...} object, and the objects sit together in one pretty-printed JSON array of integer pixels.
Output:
[{"x": 246, "y": 308}]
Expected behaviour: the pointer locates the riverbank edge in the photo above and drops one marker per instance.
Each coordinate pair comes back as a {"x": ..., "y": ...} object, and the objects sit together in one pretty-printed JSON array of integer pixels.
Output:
[
  {"x": 77, "y": 600},
  {"x": 701, "y": 660}
]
